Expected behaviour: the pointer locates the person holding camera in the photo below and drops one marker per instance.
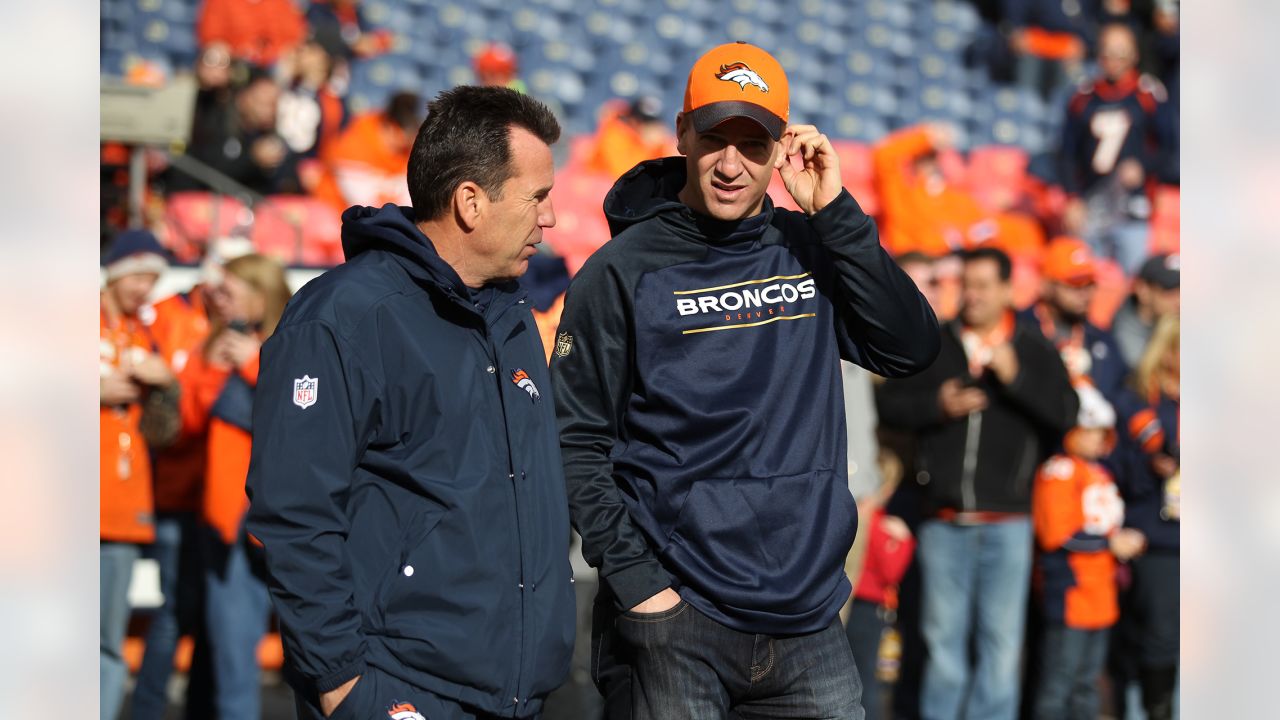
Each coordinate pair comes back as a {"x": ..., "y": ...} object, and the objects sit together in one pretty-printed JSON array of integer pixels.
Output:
[{"x": 992, "y": 407}]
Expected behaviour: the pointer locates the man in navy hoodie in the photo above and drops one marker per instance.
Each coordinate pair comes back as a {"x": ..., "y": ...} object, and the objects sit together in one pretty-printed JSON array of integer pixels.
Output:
[
  {"x": 701, "y": 412},
  {"x": 406, "y": 481}
]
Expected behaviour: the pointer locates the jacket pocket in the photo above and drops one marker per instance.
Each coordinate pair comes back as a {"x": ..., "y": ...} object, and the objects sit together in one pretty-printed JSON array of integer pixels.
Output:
[{"x": 415, "y": 533}]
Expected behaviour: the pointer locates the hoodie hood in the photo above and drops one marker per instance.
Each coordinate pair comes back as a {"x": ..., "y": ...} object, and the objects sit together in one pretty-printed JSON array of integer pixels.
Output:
[
  {"x": 651, "y": 189},
  {"x": 391, "y": 229}
]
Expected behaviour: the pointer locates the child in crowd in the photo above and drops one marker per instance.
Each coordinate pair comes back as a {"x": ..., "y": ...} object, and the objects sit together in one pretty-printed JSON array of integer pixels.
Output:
[
  {"x": 1077, "y": 515},
  {"x": 890, "y": 547}
]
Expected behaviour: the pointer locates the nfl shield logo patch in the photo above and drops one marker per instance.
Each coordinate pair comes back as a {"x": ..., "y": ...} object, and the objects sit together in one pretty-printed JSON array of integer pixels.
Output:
[
  {"x": 564, "y": 344},
  {"x": 305, "y": 390}
]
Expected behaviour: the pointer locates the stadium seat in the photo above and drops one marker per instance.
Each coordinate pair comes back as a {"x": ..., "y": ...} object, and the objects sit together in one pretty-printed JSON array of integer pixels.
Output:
[
  {"x": 581, "y": 227},
  {"x": 997, "y": 175},
  {"x": 298, "y": 230},
  {"x": 194, "y": 218},
  {"x": 1165, "y": 220},
  {"x": 857, "y": 172},
  {"x": 1113, "y": 289}
]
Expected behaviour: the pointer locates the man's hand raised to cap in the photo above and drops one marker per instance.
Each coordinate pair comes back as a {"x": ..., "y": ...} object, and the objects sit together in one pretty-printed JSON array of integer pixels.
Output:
[{"x": 816, "y": 180}]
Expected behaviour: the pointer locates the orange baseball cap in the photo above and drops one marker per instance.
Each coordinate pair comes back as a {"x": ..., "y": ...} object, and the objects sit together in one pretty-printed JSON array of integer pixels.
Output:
[
  {"x": 738, "y": 80},
  {"x": 1069, "y": 260}
]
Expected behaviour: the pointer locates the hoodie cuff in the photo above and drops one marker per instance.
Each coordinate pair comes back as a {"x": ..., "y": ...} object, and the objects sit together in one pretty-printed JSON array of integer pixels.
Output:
[
  {"x": 841, "y": 216},
  {"x": 638, "y": 583},
  {"x": 335, "y": 679}
]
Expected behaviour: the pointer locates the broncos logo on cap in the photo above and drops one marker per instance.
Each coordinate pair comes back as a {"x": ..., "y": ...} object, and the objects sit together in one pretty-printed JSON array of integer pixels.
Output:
[{"x": 739, "y": 72}]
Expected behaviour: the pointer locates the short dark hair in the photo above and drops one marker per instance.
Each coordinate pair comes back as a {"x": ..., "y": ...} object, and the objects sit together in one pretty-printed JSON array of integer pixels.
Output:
[
  {"x": 990, "y": 253},
  {"x": 403, "y": 110},
  {"x": 467, "y": 136}
]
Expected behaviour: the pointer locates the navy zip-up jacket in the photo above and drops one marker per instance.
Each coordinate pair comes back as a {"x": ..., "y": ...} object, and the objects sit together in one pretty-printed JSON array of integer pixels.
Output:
[
  {"x": 1142, "y": 488},
  {"x": 411, "y": 502},
  {"x": 700, "y": 404}
]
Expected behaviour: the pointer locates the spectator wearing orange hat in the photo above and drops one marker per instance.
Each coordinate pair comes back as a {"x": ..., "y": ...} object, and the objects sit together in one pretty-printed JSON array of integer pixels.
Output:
[
  {"x": 1077, "y": 514},
  {"x": 496, "y": 65},
  {"x": 129, "y": 367},
  {"x": 1061, "y": 313}
]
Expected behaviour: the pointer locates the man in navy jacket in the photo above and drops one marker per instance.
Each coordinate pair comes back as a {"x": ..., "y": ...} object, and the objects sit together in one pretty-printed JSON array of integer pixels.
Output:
[
  {"x": 701, "y": 409},
  {"x": 406, "y": 480}
]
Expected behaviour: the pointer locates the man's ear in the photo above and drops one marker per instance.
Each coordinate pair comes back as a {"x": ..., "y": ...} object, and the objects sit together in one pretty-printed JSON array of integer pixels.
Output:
[
  {"x": 469, "y": 204},
  {"x": 682, "y": 123}
]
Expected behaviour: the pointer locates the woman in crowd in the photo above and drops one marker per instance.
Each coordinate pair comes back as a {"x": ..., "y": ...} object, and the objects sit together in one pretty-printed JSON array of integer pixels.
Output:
[
  {"x": 219, "y": 385},
  {"x": 1150, "y": 480}
]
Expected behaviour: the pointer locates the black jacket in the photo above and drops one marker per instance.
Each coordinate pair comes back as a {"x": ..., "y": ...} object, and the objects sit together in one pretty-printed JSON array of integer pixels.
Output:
[
  {"x": 411, "y": 504},
  {"x": 699, "y": 396},
  {"x": 986, "y": 461}
]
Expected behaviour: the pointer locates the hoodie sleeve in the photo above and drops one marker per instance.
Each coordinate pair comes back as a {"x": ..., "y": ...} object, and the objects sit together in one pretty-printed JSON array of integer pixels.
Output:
[
  {"x": 592, "y": 382},
  {"x": 883, "y": 322},
  {"x": 298, "y": 485}
]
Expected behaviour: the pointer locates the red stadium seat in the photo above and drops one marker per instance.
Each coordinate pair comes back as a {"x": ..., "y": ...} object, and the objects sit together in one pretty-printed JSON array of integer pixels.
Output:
[
  {"x": 1165, "y": 217},
  {"x": 858, "y": 173},
  {"x": 298, "y": 230},
  {"x": 581, "y": 228},
  {"x": 1113, "y": 289},
  {"x": 997, "y": 175},
  {"x": 194, "y": 218}
]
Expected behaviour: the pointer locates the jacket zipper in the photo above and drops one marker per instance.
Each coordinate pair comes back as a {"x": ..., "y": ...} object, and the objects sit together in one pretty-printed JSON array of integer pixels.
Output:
[
  {"x": 968, "y": 498},
  {"x": 515, "y": 493}
]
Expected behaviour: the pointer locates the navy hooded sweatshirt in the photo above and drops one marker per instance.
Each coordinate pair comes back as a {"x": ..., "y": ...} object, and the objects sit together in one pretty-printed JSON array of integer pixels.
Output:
[
  {"x": 699, "y": 397},
  {"x": 406, "y": 480}
]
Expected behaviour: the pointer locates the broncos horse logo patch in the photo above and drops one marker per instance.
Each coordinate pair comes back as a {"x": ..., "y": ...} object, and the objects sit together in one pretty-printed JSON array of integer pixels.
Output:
[
  {"x": 524, "y": 382},
  {"x": 404, "y": 711},
  {"x": 739, "y": 72}
]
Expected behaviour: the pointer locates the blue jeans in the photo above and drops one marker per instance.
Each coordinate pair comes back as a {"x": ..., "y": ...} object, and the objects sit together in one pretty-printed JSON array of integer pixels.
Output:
[
  {"x": 236, "y": 609},
  {"x": 177, "y": 553},
  {"x": 864, "y": 631},
  {"x": 1072, "y": 662},
  {"x": 115, "y": 567},
  {"x": 975, "y": 581},
  {"x": 680, "y": 664}
]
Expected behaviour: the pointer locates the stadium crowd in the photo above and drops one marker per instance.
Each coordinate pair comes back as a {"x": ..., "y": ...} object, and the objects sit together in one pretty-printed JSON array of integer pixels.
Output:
[{"x": 1005, "y": 558}]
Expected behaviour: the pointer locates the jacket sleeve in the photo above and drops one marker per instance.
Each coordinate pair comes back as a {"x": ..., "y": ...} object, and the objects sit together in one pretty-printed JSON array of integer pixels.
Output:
[
  {"x": 1042, "y": 388},
  {"x": 592, "y": 382},
  {"x": 883, "y": 322},
  {"x": 299, "y": 480}
]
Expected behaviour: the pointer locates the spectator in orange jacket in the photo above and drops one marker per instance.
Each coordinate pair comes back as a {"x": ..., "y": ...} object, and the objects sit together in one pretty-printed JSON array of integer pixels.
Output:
[
  {"x": 258, "y": 31},
  {"x": 1077, "y": 515},
  {"x": 178, "y": 324},
  {"x": 218, "y": 389},
  {"x": 628, "y": 136},
  {"x": 128, "y": 365},
  {"x": 924, "y": 212},
  {"x": 367, "y": 163}
]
